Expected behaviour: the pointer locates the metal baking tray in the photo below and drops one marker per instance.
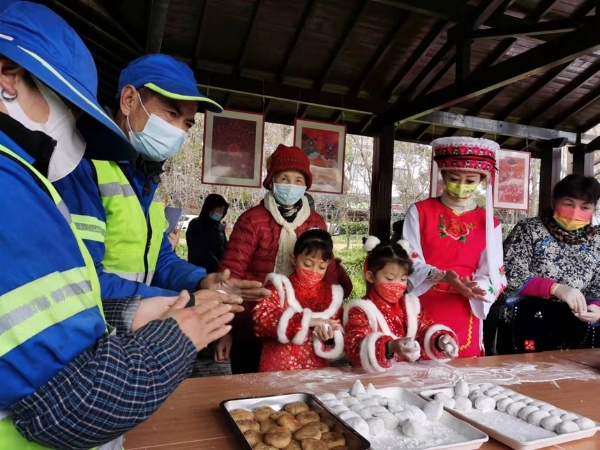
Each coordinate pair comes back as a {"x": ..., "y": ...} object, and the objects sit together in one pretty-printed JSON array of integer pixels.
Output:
[
  {"x": 506, "y": 428},
  {"x": 354, "y": 441}
]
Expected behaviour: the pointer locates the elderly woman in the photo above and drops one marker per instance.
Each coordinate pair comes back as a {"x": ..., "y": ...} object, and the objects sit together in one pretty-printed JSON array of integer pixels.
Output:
[
  {"x": 263, "y": 240},
  {"x": 552, "y": 266},
  {"x": 457, "y": 245}
]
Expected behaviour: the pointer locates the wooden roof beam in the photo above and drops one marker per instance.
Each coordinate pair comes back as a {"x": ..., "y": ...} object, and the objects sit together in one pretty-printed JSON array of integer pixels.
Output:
[
  {"x": 445, "y": 10},
  {"x": 578, "y": 106},
  {"x": 156, "y": 25},
  {"x": 527, "y": 29},
  {"x": 251, "y": 25},
  {"x": 537, "y": 60},
  {"x": 199, "y": 34},
  {"x": 590, "y": 124}
]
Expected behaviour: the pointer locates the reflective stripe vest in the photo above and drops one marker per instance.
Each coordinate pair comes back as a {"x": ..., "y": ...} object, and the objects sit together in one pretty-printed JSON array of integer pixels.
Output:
[
  {"x": 132, "y": 240},
  {"x": 37, "y": 305}
]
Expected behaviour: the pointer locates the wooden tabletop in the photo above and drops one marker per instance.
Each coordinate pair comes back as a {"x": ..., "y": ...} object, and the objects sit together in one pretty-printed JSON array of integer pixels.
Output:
[{"x": 191, "y": 418}]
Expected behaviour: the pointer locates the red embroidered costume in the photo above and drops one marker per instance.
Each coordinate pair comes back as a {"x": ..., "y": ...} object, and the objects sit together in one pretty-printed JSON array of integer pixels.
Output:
[
  {"x": 370, "y": 323},
  {"x": 283, "y": 318}
]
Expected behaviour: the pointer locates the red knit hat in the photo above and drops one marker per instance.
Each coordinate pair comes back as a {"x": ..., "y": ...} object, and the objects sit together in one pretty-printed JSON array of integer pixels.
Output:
[{"x": 287, "y": 158}]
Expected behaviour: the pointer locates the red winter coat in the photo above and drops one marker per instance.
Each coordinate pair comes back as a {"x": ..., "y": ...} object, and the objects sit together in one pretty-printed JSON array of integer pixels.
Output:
[{"x": 252, "y": 250}]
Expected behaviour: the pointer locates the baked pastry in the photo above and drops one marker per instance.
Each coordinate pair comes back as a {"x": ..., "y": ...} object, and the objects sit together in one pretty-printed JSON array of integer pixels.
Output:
[
  {"x": 341, "y": 447},
  {"x": 296, "y": 407},
  {"x": 253, "y": 437},
  {"x": 278, "y": 437},
  {"x": 313, "y": 444},
  {"x": 289, "y": 422},
  {"x": 266, "y": 425},
  {"x": 327, "y": 420},
  {"x": 307, "y": 417},
  {"x": 333, "y": 439},
  {"x": 293, "y": 445},
  {"x": 310, "y": 430},
  {"x": 323, "y": 427},
  {"x": 278, "y": 414},
  {"x": 246, "y": 425},
  {"x": 241, "y": 414},
  {"x": 263, "y": 446},
  {"x": 263, "y": 413}
]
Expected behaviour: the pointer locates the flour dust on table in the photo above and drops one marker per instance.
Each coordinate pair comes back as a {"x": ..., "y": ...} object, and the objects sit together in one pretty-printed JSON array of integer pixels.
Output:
[{"x": 392, "y": 418}]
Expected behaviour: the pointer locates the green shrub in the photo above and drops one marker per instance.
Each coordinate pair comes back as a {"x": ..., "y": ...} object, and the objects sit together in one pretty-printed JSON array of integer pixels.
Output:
[
  {"x": 354, "y": 228},
  {"x": 182, "y": 251},
  {"x": 353, "y": 260}
]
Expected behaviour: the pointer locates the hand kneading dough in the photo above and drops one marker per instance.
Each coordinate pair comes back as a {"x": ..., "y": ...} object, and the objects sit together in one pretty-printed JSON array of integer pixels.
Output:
[
  {"x": 433, "y": 410},
  {"x": 266, "y": 425},
  {"x": 414, "y": 429},
  {"x": 485, "y": 403},
  {"x": 567, "y": 427},
  {"x": 418, "y": 413},
  {"x": 241, "y": 414},
  {"x": 445, "y": 399},
  {"x": 278, "y": 437},
  {"x": 245, "y": 425},
  {"x": 311, "y": 431},
  {"x": 584, "y": 423},
  {"x": 376, "y": 426},
  {"x": 306, "y": 417},
  {"x": 333, "y": 439},
  {"x": 357, "y": 388},
  {"x": 296, "y": 407},
  {"x": 526, "y": 411},
  {"x": 289, "y": 422},
  {"x": 462, "y": 404},
  {"x": 535, "y": 418},
  {"x": 293, "y": 445},
  {"x": 550, "y": 423},
  {"x": 253, "y": 437},
  {"x": 313, "y": 444},
  {"x": 514, "y": 408},
  {"x": 461, "y": 389},
  {"x": 359, "y": 425},
  {"x": 263, "y": 413},
  {"x": 263, "y": 446}
]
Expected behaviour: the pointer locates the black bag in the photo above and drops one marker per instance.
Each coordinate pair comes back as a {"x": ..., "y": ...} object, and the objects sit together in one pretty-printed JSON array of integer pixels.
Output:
[{"x": 543, "y": 325}]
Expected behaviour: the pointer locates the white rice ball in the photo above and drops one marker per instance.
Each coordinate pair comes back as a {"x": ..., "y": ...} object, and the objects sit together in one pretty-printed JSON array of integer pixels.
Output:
[
  {"x": 502, "y": 404},
  {"x": 569, "y": 417},
  {"x": 360, "y": 426},
  {"x": 350, "y": 401},
  {"x": 393, "y": 407},
  {"x": 376, "y": 426},
  {"x": 538, "y": 403},
  {"x": 566, "y": 427},
  {"x": 485, "y": 403},
  {"x": 370, "y": 402},
  {"x": 461, "y": 389},
  {"x": 494, "y": 391},
  {"x": 362, "y": 397},
  {"x": 340, "y": 408},
  {"x": 528, "y": 401},
  {"x": 331, "y": 403},
  {"x": 326, "y": 396},
  {"x": 414, "y": 429},
  {"x": 358, "y": 407},
  {"x": 390, "y": 421},
  {"x": 365, "y": 413},
  {"x": 345, "y": 415},
  {"x": 342, "y": 394},
  {"x": 558, "y": 412},
  {"x": 474, "y": 387},
  {"x": 536, "y": 417},
  {"x": 547, "y": 407},
  {"x": 378, "y": 410},
  {"x": 514, "y": 408},
  {"x": 550, "y": 423},
  {"x": 433, "y": 410},
  {"x": 524, "y": 413},
  {"x": 371, "y": 389},
  {"x": 357, "y": 388},
  {"x": 403, "y": 416},
  {"x": 463, "y": 404},
  {"x": 584, "y": 423},
  {"x": 486, "y": 386},
  {"x": 444, "y": 399},
  {"x": 417, "y": 412}
]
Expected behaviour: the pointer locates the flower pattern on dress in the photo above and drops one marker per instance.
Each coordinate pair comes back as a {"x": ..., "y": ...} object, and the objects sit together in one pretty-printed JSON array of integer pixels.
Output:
[{"x": 456, "y": 229}]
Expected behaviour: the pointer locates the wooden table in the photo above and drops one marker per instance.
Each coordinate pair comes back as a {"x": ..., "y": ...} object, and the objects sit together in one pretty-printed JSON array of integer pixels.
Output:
[
  {"x": 191, "y": 418},
  {"x": 589, "y": 357}
]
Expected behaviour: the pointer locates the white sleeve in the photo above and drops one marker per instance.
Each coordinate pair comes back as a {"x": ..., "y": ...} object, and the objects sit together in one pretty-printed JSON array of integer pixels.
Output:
[
  {"x": 482, "y": 275},
  {"x": 411, "y": 232}
]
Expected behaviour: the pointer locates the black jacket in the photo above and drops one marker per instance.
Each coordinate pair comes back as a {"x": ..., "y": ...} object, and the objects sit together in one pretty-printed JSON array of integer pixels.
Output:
[{"x": 206, "y": 242}]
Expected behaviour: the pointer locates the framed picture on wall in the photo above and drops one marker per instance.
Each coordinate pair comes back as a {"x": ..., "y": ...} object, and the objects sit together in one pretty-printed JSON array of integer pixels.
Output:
[
  {"x": 325, "y": 145},
  {"x": 233, "y": 148},
  {"x": 512, "y": 180},
  {"x": 436, "y": 183}
]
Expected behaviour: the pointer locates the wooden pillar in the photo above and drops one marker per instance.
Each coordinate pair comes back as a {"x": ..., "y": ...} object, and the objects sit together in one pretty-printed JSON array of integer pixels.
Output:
[
  {"x": 381, "y": 184},
  {"x": 583, "y": 161},
  {"x": 549, "y": 175}
]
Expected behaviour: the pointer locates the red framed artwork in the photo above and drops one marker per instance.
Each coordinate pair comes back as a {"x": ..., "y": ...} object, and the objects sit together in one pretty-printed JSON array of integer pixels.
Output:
[
  {"x": 436, "y": 182},
  {"x": 233, "y": 148},
  {"x": 325, "y": 145},
  {"x": 512, "y": 180}
]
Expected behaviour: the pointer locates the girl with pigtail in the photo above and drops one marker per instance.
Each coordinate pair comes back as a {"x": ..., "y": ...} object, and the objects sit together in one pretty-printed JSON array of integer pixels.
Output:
[{"x": 387, "y": 325}]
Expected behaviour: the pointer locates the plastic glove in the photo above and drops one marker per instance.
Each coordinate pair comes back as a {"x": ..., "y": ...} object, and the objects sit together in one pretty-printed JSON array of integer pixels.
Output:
[
  {"x": 571, "y": 296},
  {"x": 592, "y": 314},
  {"x": 449, "y": 346}
]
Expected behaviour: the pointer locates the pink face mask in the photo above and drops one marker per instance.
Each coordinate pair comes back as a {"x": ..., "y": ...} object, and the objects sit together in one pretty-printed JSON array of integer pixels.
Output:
[
  {"x": 308, "y": 277},
  {"x": 572, "y": 219},
  {"x": 391, "y": 292}
]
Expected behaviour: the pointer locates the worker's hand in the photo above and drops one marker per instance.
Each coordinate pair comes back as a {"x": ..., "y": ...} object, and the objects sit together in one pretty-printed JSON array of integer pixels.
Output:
[
  {"x": 223, "y": 348},
  {"x": 203, "y": 323},
  {"x": 592, "y": 314},
  {"x": 465, "y": 287},
  {"x": 250, "y": 291},
  {"x": 208, "y": 295},
  {"x": 448, "y": 346},
  {"x": 151, "y": 309},
  {"x": 407, "y": 348},
  {"x": 174, "y": 238},
  {"x": 571, "y": 296},
  {"x": 324, "y": 330}
]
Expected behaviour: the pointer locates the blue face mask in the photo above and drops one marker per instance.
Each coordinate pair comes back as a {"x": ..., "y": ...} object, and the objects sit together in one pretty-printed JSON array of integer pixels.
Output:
[
  {"x": 288, "y": 194},
  {"x": 216, "y": 217},
  {"x": 159, "y": 140}
]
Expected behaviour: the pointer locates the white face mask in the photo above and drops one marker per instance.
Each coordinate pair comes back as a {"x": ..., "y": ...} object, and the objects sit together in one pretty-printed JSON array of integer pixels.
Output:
[
  {"x": 60, "y": 126},
  {"x": 159, "y": 140}
]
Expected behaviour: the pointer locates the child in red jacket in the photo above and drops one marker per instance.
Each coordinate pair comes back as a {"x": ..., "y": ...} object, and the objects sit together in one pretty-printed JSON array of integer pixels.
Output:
[
  {"x": 300, "y": 319},
  {"x": 387, "y": 325}
]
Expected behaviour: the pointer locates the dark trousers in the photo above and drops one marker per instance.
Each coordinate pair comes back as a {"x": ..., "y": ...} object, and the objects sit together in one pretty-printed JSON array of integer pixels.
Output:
[
  {"x": 245, "y": 355},
  {"x": 542, "y": 325}
]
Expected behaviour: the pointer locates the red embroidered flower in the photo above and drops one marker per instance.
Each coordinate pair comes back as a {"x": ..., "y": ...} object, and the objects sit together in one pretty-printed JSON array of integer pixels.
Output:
[
  {"x": 529, "y": 345},
  {"x": 456, "y": 229},
  {"x": 414, "y": 255}
]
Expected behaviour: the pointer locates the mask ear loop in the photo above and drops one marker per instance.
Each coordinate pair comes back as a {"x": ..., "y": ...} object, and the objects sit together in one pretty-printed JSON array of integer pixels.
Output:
[{"x": 7, "y": 97}]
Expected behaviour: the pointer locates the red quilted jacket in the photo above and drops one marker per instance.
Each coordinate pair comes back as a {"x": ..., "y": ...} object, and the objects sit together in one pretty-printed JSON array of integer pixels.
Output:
[{"x": 252, "y": 250}]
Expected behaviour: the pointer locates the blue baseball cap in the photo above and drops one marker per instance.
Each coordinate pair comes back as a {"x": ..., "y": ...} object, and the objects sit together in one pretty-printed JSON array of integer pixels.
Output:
[
  {"x": 166, "y": 76},
  {"x": 41, "y": 42}
]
